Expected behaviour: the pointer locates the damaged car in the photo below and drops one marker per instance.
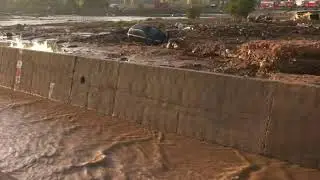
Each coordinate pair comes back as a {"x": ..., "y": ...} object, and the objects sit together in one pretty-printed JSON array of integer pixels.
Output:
[{"x": 147, "y": 34}]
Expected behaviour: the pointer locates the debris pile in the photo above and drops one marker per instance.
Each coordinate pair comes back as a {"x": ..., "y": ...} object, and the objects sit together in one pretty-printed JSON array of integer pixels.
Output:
[
  {"x": 297, "y": 56},
  {"x": 206, "y": 49}
]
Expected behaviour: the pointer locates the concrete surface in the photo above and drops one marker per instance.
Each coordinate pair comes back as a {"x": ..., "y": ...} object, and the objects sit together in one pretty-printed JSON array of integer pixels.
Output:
[
  {"x": 293, "y": 129},
  {"x": 46, "y": 74},
  {"x": 94, "y": 84},
  {"x": 264, "y": 117},
  {"x": 8, "y": 61}
]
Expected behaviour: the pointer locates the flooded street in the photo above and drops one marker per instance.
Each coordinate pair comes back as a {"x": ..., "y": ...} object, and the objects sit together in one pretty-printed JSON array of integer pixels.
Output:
[{"x": 47, "y": 140}]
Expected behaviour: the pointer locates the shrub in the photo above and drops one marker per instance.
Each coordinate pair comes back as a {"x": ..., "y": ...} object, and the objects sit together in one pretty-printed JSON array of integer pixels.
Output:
[
  {"x": 240, "y": 8},
  {"x": 193, "y": 12}
]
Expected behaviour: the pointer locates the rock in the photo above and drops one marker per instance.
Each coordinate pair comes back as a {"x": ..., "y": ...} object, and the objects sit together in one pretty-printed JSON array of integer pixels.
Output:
[
  {"x": 195, "y": 50},
  {"x": 188, "y": 28},
  {"x": 228, "y": 54},
  {"x": 174, "y": 43},
  {"x": 179, "y": 25}
]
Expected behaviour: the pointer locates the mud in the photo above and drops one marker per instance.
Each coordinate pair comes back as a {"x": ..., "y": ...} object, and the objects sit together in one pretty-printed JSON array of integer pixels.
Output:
[
  {"x": 216, "y": 44},
  {"x": 48, "y": 140}
]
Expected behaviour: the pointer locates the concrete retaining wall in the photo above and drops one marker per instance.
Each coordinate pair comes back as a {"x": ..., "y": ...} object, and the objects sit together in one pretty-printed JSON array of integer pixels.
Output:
[
  {"x": 94, "y": 84},
  {"x": 45, "y": 74},
  {"x": 265, "y": 117},
  {"x": 8, "y": 62},
  {"x": 293, "y": 132}
]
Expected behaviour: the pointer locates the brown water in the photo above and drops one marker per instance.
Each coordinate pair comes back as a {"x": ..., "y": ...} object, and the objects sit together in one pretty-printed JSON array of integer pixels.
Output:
[
  {"x": 47, "y": 140},
  {"x": 31, "y": 20}
]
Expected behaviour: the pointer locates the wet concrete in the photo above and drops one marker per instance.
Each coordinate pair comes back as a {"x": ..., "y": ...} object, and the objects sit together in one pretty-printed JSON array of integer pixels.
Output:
[{"x": 41, "y": 139}]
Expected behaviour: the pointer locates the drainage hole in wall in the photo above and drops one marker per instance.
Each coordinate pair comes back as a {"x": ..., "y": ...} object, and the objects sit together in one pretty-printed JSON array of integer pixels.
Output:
[{"x": 82, "y": 80}]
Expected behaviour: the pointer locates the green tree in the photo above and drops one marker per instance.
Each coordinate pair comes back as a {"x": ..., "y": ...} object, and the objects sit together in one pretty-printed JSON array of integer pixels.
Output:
[
  {"x": 193, "y": 12},
  {"x": 79, "y": 3},
  {"x": 240, "y": 8},
  {"x": 93, "y": 7}
]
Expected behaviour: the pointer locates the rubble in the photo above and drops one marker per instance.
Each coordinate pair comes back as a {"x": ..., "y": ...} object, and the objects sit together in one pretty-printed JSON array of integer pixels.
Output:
[
  {"x": 206, "y": 49},
  {"x": 297, "y": 56},
  {"x": 261, "y": 18},
  {"x": 175, "y": 43}
]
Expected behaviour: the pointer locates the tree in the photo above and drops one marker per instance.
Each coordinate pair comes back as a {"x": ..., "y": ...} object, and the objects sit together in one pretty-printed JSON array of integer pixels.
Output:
[
  {"x": 79, "y": 3},
  {"x": 193, "y": 12},
  {"x": 240, "y": 8}
]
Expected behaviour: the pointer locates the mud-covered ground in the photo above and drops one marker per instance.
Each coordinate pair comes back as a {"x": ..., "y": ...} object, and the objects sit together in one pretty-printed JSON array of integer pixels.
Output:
[{"x": 277, "y": 50}]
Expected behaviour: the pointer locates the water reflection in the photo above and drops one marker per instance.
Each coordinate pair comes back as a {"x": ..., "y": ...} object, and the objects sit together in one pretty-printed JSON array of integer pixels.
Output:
[{"x": 36, "y": 45}]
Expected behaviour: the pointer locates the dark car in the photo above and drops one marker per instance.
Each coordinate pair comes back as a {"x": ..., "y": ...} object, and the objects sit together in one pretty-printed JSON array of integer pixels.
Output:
[{"x": 147, "y": 34}]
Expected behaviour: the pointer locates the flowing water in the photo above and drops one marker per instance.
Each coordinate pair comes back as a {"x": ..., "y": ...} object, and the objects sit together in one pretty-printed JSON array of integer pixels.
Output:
[
  {"x": 51, "y": 141},
  {"x": 46, "y": 140}
]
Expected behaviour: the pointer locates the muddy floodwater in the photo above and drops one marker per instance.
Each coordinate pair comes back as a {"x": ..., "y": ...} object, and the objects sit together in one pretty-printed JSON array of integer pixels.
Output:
[
  {"x": 30, "y": 20},
  {"x": 48, "y": 140}
]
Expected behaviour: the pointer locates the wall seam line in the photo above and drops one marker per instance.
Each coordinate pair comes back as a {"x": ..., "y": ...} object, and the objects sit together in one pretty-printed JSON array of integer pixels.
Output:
[
  {"x": 180, "y": 105},
  {"x": 72, "y": 79},
  {"x": 116, "y": 89},
  {"x": 86, "y": 105},
  {"x": 178, "y": 122},
  {"x": 32, "y": 75},
  {"x": 268, "y": 124}
]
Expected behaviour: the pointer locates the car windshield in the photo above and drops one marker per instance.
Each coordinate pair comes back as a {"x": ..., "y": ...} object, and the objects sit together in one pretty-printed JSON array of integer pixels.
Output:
[
  {"x": 151, "y": 31},
  {"x": 139, "y": 32}
]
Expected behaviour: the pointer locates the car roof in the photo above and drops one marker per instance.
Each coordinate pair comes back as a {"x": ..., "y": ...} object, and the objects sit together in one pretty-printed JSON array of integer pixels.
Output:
[{"x": 142, "y": 26}]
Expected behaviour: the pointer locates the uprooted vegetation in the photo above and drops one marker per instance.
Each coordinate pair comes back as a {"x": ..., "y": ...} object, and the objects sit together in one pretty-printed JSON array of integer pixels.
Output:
[{"x": 297, "y": 56}]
